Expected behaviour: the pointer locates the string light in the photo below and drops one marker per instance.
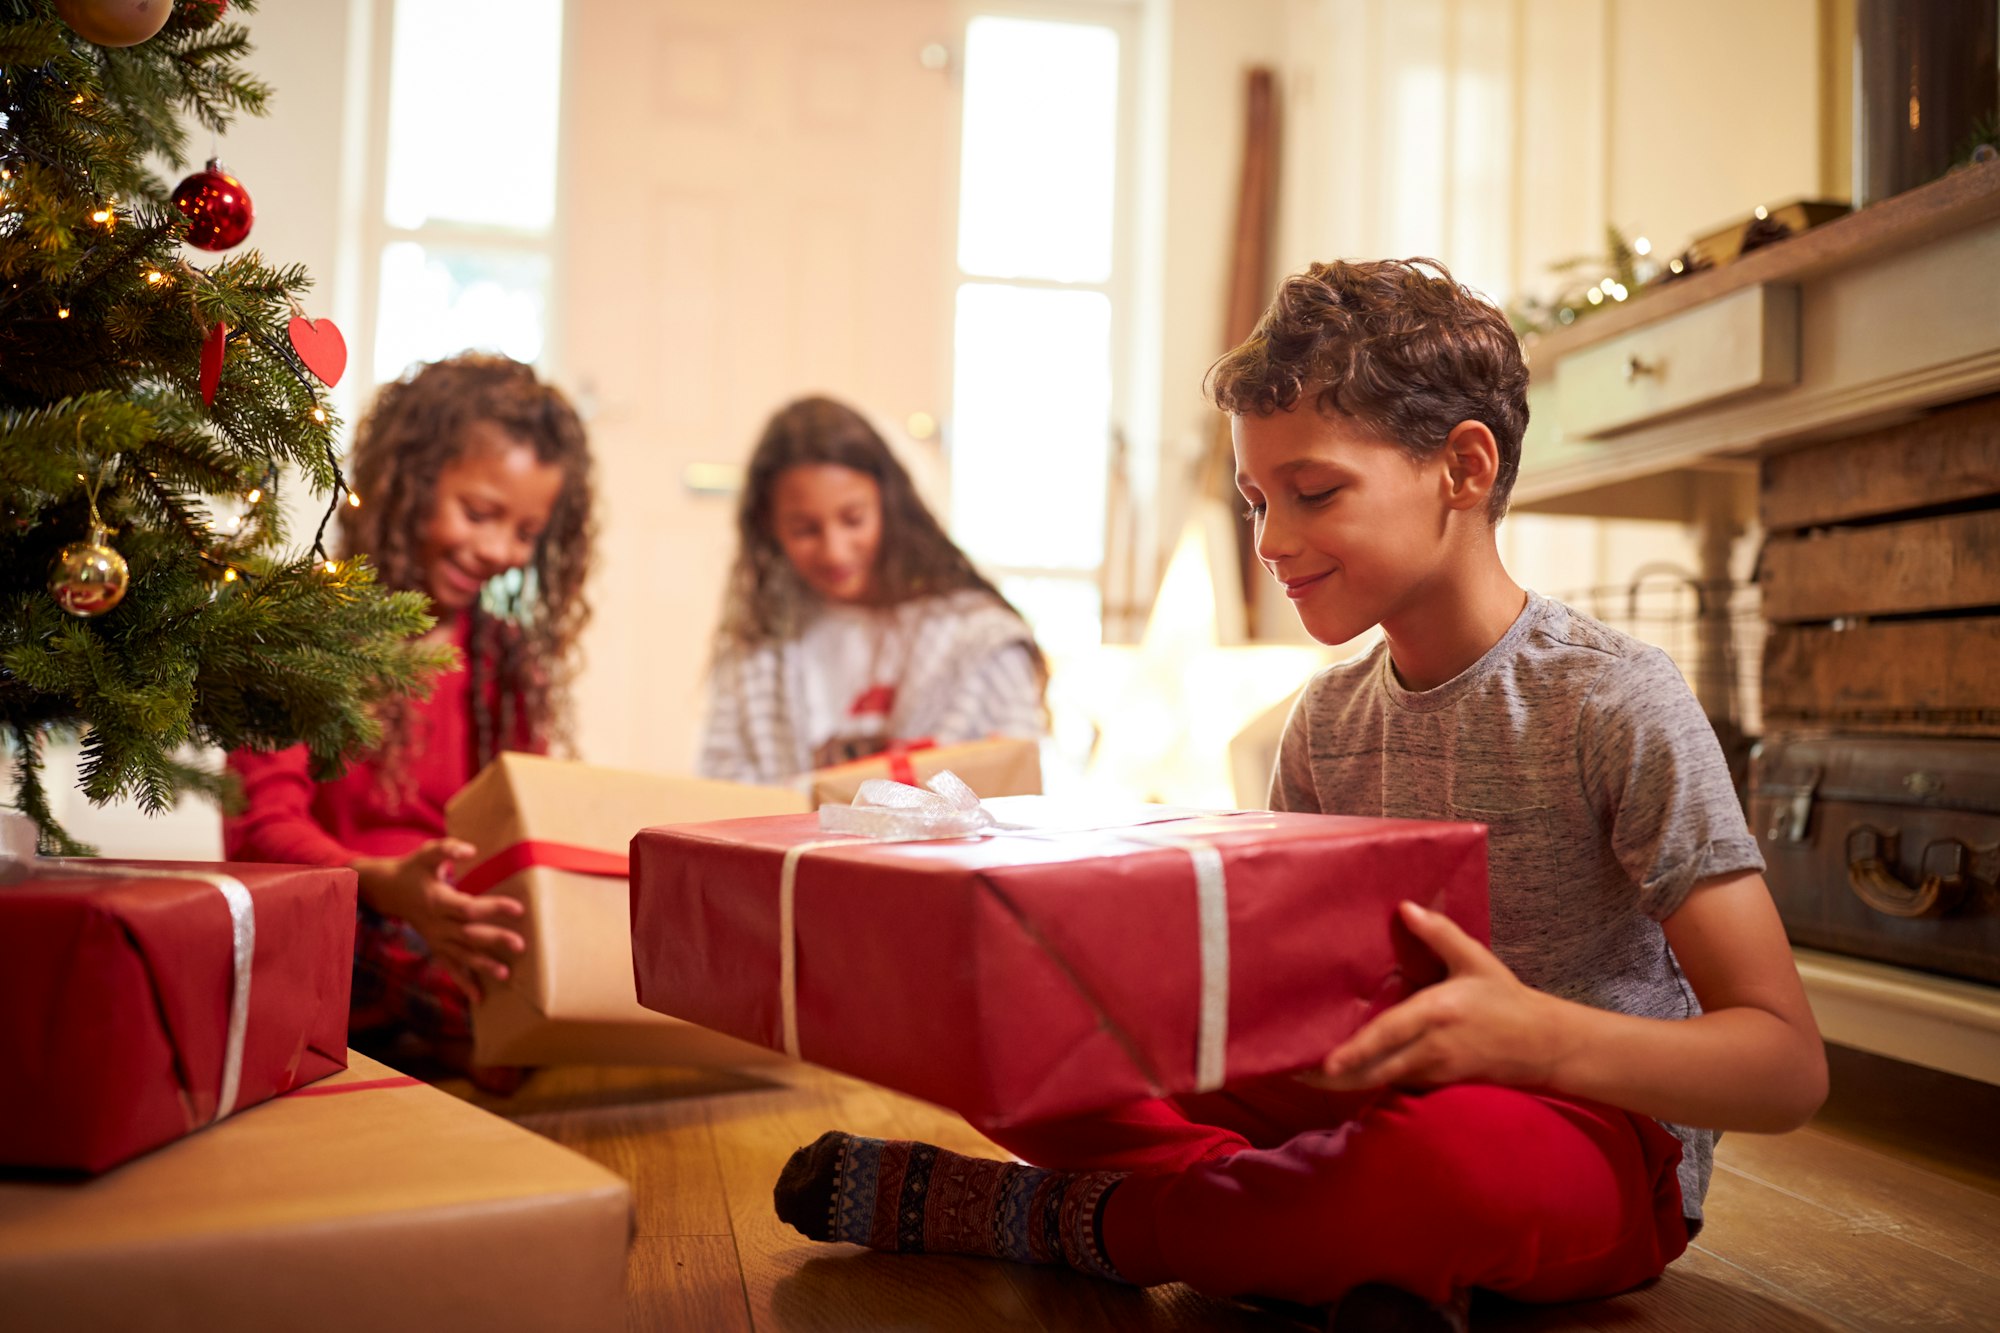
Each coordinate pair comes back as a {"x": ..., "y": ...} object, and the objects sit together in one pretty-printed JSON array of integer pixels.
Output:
[
  {"x": 102, "y": 215},
  {"x": 256, "y": 494},
  {"x": 1675, "y": 265},
  {"x": 1642, "y": 246},
  {"x": 156, "y": 276},
  {"x": 319, "y": 415},
  {"x": 1596, "y": 297},
  {"x": 333, "y": 567},
  {"x": 354, "y": 499},
  {"x": 229, "y": 576},
  {"x": 1762, "y": 212}
]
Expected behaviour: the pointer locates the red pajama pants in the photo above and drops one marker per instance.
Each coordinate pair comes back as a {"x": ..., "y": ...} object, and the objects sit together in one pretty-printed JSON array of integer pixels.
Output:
[{"x": 1281, "y": 1190}]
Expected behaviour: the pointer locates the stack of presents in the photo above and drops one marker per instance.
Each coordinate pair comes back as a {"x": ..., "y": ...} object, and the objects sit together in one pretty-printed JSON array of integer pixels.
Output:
[{"x": 186, "y": 1141}]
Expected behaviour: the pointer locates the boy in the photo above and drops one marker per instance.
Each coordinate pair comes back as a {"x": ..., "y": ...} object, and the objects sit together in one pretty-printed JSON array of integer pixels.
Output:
[{"x": 1541, "y": 1122}]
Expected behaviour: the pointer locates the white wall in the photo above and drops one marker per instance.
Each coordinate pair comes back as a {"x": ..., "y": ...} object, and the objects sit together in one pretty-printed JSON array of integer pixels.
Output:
[
  {"x": 1213, "y": 45},
  {"x": 1502, "y": 135}
]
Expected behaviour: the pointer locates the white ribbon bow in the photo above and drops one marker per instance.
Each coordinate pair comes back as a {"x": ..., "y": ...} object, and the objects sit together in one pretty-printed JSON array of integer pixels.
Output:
[{"x": 943, "y": 807}]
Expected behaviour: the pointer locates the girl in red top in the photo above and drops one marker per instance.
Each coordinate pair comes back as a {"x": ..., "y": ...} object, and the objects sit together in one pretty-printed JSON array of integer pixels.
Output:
[{"x": 477, "y": 478}]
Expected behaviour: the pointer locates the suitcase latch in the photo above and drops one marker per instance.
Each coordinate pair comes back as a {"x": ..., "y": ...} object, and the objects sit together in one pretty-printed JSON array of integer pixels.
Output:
[
  {"x": 1792, "y": 812},
  {"x": 1921, "y": 784}
]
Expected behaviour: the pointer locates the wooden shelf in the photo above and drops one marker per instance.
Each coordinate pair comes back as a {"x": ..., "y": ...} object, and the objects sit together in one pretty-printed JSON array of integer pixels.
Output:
[
  {"x": 1916, "y": 217},
  {"x": 1896, "y": 315},
  {"x": 1937, "y": 1022}
]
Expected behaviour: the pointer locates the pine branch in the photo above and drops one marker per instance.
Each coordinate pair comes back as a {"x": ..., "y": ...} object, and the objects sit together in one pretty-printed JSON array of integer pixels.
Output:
[{"x": 33, "y": 801}]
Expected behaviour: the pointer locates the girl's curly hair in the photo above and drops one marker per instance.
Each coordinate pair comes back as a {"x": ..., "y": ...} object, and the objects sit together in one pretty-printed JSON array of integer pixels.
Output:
[
  {"x": 766, "y": 600},
  {"x": 524, "y": 631}
]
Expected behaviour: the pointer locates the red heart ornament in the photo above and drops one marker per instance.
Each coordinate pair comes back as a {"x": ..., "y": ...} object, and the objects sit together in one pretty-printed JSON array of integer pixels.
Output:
[
  {"x": 213, "y": 347},
  {"x": 320, "y": 346}
]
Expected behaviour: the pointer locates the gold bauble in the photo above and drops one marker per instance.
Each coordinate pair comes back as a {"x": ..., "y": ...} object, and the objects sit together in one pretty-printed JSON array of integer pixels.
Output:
[
  {"x": 89, "y": 577},
  {"x": 115, "y": 22}
]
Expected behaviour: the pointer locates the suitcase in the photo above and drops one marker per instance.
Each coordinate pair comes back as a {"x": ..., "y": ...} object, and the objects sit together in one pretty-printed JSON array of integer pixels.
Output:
[{"x": 1884, "y": 847}]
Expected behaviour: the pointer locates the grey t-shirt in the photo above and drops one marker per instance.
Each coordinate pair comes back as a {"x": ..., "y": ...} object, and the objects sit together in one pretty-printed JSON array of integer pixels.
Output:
[{"x": 1604, "y": 793}]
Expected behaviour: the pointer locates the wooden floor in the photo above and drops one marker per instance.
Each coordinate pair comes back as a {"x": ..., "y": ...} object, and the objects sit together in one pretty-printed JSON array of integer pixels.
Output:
[{"x": 1883, "y": 1214}]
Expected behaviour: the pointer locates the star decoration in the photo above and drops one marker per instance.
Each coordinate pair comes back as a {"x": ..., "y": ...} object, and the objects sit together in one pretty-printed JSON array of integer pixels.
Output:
[{"x": 1166, "y": 710}]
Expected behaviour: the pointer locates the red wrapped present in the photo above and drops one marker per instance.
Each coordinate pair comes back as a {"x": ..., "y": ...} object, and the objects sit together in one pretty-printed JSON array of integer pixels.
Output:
[
  {"x": 1039, "y": 971},
  {"x": 142, "y": 1000}
]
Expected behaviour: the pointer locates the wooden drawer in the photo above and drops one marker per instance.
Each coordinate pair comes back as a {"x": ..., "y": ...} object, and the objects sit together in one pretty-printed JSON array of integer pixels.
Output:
[{"x": 1746, "y": 341}]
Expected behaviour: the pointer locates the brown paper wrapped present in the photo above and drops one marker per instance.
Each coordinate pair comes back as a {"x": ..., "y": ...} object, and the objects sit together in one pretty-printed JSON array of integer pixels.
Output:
[
  {"x": 553, "y": 835},
  {"x": 1003, "y": 766},
  {"x": 364, "y": 1201}
]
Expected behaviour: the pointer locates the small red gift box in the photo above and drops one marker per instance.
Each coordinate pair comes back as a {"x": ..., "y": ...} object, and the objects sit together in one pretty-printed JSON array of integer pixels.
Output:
[
  {"x": 1039, "y": 972},
  {"x": 1001, "y": 766},
  {"x": 142, "y": 1000}
]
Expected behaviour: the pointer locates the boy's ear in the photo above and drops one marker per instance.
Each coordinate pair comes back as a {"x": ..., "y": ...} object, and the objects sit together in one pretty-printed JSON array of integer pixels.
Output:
[{"x": 1472, "y": 462}]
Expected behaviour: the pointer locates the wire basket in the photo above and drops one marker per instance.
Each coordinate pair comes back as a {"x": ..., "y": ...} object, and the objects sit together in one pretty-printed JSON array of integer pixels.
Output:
[{"x": 1714, "y": 631}]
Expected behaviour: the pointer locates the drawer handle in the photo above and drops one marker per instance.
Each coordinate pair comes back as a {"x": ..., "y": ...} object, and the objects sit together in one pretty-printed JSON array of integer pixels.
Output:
[
  {"x": 1634, "y": 368},
  {"x": 1875, "y": 882}
]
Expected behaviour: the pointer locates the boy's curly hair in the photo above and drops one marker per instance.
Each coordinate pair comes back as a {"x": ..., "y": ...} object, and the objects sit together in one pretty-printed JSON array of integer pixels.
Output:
[
  {"x": 524, "y": 631},
  {"x": 1396, "y": 344}
]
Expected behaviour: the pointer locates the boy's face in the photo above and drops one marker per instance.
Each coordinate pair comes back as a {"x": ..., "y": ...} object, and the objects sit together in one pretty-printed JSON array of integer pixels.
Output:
[{"x": 1351, "y": 525}]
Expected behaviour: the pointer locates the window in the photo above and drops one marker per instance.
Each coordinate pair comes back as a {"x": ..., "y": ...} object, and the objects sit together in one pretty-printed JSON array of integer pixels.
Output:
[
  {"x": 469, "y": 191},
  {"x": 1035, "y": 319}
]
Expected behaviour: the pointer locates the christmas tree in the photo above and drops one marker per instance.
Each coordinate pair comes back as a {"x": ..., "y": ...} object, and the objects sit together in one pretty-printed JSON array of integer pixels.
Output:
[{"x": 152, "y": 401}]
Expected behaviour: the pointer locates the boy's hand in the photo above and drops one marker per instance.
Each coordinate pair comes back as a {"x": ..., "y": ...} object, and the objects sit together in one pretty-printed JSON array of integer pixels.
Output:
[
  {"x": 1479, "y": 1023},
  {"x": 462, "y": 930}
]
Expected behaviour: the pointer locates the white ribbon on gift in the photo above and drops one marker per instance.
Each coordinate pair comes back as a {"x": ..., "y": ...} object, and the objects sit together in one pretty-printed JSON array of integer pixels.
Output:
[
  {"x": 242, "y": 951},
  {"x": 945, "y": 807},
  {"x": 1211, "y": 896}
]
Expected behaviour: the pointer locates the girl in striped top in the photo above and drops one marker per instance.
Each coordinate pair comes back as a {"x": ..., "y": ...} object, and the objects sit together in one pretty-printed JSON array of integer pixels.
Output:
[{"x": 851, "y": 620}]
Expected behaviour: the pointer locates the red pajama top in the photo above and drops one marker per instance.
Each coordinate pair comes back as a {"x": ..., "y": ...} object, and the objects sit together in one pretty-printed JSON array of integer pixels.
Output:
[{"x": 288, "y": 817}]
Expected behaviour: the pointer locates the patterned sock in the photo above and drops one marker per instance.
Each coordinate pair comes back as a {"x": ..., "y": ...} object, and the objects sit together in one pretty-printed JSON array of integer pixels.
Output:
[{"x": 913, "y": 1198}]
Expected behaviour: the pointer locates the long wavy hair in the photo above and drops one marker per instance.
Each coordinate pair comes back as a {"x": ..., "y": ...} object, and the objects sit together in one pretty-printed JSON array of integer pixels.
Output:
[
  {"x": 521, "y": 643},
  {"x": 766, "y": 600}
]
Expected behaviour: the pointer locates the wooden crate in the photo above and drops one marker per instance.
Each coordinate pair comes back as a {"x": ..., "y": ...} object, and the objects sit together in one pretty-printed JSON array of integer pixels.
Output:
[
  {"x": 1949, "y": 456},
  {"x": 1945, "y": 563},
  {"x": 1926, "y": 677},
  {"x": 1881, "y": 579}
]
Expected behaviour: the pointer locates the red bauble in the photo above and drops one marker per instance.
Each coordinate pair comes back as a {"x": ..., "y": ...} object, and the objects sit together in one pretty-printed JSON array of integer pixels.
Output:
[{"x": 217, "y": 208}]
